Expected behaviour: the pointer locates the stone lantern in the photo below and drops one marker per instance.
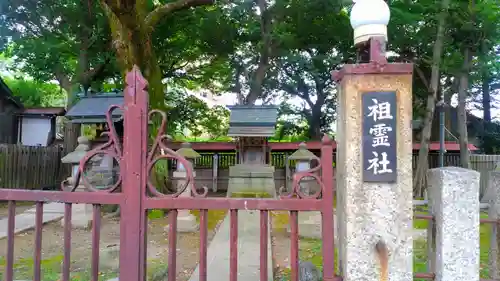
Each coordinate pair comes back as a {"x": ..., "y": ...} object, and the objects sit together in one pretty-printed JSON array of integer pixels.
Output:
[
  {"x": 309, "y": 222},
  {"x": 303, "y": 158},
  {"x": 186, "y": 222},
  {"x": 81, "y": 214}
]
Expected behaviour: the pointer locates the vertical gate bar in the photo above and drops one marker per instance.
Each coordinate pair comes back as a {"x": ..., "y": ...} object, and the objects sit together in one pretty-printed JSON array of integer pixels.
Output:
[
  {"x": 327, "y": 217},
  {"x": 67, "y": 241},
  {"x": 294, "y": 245},
  {"x": 133, "y": 162},
  {"x": 172, "y": 244},
  {"x": 203, "y": 244},
  {"x": 11, "y": 224},
  {"x": 264, "y": 223},
  {"x": 37, "y": 267},
  {"x": 233, "y": 246},
  {"x": 144, "y": 233},
  {"x": 96, "y": 236},
  {"x": 431, "y": 238}
]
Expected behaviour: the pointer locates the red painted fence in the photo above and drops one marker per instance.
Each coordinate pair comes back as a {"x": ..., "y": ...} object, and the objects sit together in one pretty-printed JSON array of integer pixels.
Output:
[{"x": 136, "y": 194}]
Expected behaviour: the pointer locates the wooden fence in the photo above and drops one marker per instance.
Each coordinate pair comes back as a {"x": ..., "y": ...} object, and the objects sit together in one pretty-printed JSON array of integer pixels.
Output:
[
  {"x": 30, "y": 167},
  {"x": 35, "y": 167}
]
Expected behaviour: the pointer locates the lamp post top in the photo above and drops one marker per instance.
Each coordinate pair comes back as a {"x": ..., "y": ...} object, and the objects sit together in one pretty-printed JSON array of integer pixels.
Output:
[{"x": 369, "y": 18}]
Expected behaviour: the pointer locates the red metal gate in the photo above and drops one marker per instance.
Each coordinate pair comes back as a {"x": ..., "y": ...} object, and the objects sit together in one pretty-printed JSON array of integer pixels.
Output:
[{"x": 136, "y": 194}]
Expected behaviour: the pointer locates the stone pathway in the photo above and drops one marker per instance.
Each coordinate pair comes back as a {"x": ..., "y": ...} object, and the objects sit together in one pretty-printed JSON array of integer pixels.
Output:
[
  {"x": 26, "y": 220},
  {"x": 248, "y": 250}
]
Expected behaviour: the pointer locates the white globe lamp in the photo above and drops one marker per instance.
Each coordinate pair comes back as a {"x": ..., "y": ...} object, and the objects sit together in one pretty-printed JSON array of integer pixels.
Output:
[{"x": 369, "y": 18}]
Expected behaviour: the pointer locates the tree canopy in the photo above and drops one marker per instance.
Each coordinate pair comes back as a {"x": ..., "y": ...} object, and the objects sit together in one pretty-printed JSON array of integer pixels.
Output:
[{"x": 261, "y": 51}]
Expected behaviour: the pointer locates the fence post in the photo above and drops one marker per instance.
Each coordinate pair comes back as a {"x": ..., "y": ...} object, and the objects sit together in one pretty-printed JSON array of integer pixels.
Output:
[
  {"x": 455, "y": 193},
  {"x": 493, "y": 193}
]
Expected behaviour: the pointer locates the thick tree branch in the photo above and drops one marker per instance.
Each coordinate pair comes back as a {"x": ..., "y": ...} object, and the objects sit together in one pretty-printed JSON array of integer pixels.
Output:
[
  {"x": 91, "y": 74},
  {"x": 114, "y": 6},
  {"x": 265, "y": 53},
  {"x": 157, "y": 14},
  {"x": 422, "y": 77},
  {"x": 63, "y": 79}
]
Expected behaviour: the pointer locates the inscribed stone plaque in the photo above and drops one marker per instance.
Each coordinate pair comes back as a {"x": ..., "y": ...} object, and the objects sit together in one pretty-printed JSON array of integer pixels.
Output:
[{"x": 379, "y": 137}]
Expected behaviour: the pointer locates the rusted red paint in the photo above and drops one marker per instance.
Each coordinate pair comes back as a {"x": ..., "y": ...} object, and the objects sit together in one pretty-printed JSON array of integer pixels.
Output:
[
  {"x": 377, "y": 64},
  {"x": 9, "y": 270},
  {"x": 172, "y": 244},
  {"x": 203, "y": 244},
  {"x": 233, "y": 249},
  {"x": 327, "y": 217},
  {"x": 264, "y": 230},
  {"x": 37, "y": 255},
  {"x": 67, "y": 242},
  {"x": 135, "y": 194},
  {"x": 294, "y": 245},
  {"x": 96, "y": 237}
]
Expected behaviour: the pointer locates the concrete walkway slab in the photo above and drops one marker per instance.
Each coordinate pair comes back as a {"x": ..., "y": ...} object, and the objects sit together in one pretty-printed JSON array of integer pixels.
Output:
[
  {"x": 26, "y": 220},
  {"x": 248, "y": 250}
]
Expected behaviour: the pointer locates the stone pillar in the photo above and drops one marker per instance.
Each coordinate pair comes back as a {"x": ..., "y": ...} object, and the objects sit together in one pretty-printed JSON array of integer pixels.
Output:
[
  {"x": 374, "y": 155},
  {"x": 374, "y": 211},
  {"x": 81, "y": 214},
  {"x": 493, "y": 193},
  {"x": 455, "y": 193}
]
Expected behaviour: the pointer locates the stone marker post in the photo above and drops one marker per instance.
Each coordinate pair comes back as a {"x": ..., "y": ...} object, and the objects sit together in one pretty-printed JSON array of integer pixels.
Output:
[
  {"x": 186, "y": 222},
  {"x": 374, "y": 155},
  {"x": 493, "y": 192},
  {"x": 455, "y": 202},
  {"x": 81, "y": 214}
]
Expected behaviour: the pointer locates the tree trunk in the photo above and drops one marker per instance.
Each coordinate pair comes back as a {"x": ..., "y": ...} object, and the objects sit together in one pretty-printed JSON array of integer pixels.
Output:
[
  {"x": 131, "y": 29},
  {"x": 260, "y": 73},
  {"x": 486, "y": 98},
  {"x": 419, "y": 181},
  {"x": 315, "y": 124},
  {"x": 462, "y": 113},
  {"x": 133, "y": 47}
]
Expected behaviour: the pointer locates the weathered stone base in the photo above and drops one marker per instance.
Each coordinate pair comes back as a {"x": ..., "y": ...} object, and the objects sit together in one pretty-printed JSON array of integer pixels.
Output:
[
  {"x": 248, "y": 178},
  {"x": 310, "y": 225},
  {"x": 81, "y": 216}
]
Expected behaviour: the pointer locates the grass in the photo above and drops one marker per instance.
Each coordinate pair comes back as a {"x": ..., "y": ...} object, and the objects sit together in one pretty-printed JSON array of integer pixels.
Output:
[
  {"x": 214, "y": 216},
  {"x": 51, "y": 270}
]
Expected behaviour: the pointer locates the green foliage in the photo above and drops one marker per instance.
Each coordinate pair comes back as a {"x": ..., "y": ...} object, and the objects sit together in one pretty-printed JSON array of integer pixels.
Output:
[
  {"x": 63, "y": 40},
  {"x": 490, "y": 141},
  {"x": 36, "y": 94},
  {"x": 188, "y": 114},
  {"x": 223, "y": 47}
]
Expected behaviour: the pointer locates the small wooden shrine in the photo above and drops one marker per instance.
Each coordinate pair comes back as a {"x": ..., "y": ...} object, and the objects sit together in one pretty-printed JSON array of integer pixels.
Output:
[{"x": 252, "y": 126}]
